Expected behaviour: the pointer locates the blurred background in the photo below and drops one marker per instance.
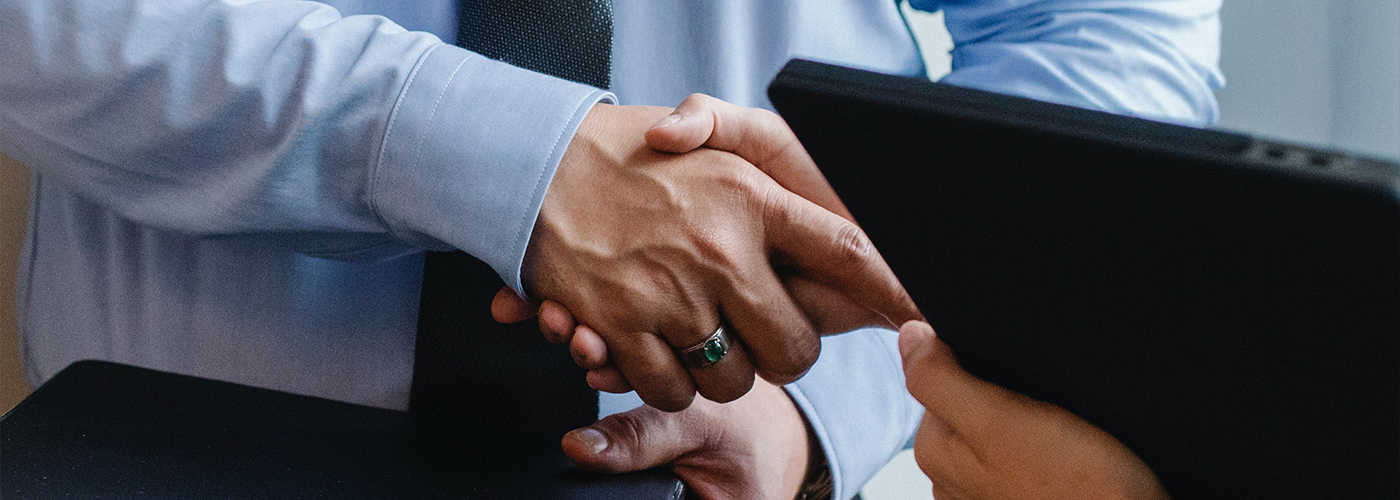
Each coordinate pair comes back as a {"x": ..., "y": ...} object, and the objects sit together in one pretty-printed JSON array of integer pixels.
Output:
[{"x": 1320, "y": 72}]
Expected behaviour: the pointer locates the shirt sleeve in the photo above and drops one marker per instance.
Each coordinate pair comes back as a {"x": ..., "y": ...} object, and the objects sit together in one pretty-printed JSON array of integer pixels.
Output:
[
  {"x": 340, "y": 136},
  {"x": 1155, "y": 59},
  {"x": 854, "y": 399}
]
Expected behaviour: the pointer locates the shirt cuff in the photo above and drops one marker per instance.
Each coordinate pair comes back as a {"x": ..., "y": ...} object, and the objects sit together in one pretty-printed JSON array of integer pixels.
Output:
[
  {"x": 470, "y": 150},
  {"x": 855, "y": 400}
]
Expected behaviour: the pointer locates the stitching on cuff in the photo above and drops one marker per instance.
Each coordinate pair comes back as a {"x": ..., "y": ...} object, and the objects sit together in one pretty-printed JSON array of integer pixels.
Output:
[
  {"x": 522, "y": 233},
  {"x": 377, "y": 172},
  {"x": 432, "y": 112}
]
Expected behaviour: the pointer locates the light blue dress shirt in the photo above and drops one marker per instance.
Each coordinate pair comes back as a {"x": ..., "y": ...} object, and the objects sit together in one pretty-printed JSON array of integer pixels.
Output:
[{"x": 242, "y": 189}]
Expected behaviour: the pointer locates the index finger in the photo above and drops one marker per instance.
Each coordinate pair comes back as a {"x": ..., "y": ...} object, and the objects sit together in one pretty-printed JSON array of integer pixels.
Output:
[{"x": 835, "y": 252}]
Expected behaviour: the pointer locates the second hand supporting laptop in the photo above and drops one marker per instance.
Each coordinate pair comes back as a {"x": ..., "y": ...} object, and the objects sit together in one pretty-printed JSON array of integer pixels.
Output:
[{"x": 1227, "y": 307}]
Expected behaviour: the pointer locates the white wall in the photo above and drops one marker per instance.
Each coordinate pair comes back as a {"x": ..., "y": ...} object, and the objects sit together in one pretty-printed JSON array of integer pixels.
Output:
[
  {"x": 1365, "y": 49},
  {"x": 1324, "y": 72}
]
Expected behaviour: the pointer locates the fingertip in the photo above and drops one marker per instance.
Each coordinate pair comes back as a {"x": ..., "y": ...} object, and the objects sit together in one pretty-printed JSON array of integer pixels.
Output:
[
  {"x": 730, "y": 393},
  {"x": 677, "y": 133},
  {"x": 791, "y": 362},
  {"x": 779, "y": 378},
  {"x": 608, "y": 379},
  {"x": 931, "y": 371},
  {"x": 914, "y": 337},
  {"x": 638, "y": 439},
  {"x": 670, "y": 403},
  {"x": 507, "y": 307},
  {"x": 585, "y": 445},
  {"x": 669, "y": 120},
  {"x": 556, "y": 322},
  {"x": 588, "y": 349}
]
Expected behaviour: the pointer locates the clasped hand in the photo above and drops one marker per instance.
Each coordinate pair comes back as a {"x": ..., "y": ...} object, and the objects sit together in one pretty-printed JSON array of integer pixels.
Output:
[
  {"x": 654, "y": 250},
  {"x": 977, "y": 440}
]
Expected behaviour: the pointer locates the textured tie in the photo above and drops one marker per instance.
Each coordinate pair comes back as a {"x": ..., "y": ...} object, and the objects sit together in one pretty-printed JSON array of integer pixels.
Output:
[
  {"x": 570, "y": 39},
  {"x": 478, "y": 385}
]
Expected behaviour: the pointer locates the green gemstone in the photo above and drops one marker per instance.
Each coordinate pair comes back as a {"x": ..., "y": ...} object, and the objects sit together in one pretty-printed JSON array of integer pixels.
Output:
[{"x": 714, "y": 351}]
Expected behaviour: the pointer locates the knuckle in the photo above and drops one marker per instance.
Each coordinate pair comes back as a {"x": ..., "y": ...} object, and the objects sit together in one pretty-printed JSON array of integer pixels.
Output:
[
  {"x": 698, "y": 98},
  {"x": 737, "y": 176},
  {"x": 717, "y": 255},
  {"x": 768, "y": 117},
  {"x": 749, "y": 189},
  {"x": 628, "y": 429},
  {"x": 853, "y": 247}
]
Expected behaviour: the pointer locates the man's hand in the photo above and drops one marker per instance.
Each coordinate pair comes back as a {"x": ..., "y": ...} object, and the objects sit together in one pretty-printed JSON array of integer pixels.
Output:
[
  {"x": 753, "y": 448},
  {"x": 980, "y": 441},
  {"x": 763, "y": 139},
  {"x": 655, "y": 250}
]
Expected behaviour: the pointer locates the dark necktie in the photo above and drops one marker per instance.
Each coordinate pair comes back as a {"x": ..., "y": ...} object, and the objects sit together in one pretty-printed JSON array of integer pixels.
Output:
[{"x": 478, "y": 384}]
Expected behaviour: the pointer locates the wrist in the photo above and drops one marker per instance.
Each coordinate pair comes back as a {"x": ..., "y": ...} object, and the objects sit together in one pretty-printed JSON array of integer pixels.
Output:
[
  {"x": 817, "y": 482},
  {"x": 482, "y": 149}
]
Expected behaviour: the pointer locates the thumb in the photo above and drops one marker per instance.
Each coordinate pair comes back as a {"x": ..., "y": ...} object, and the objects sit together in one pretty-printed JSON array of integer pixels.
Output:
[
  {"x": 684, "y": 130},
  {"x": 758, "y": 136},
  {"x": 630, "y": 441}
]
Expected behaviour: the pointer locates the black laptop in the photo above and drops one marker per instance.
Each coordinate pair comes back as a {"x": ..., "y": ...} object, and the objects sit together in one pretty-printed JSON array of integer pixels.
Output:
[{"x": 1228, "y": 307}]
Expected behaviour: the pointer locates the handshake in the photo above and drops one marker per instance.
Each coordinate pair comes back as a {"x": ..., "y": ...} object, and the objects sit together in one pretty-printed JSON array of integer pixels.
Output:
[
  {"x": 689, "y": 251},
  {"x": 700, "y": 247}
]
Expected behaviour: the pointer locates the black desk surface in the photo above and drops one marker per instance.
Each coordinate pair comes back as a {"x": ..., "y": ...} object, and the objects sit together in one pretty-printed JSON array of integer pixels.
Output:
[{"x": 106, "y": 430}]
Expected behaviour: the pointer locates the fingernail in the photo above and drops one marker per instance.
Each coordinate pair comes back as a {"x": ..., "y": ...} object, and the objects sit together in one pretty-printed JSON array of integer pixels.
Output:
[
  {"x": 906, "y": 343},
  {"x": 595, "y": 440},
  {"x": 669, "y": 120},
  {"x": 909, "y": 337}
]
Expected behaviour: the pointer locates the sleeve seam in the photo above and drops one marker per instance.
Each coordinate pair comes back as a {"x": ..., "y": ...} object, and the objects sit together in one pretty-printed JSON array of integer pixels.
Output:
[
  {"x": 377, "y": 172},
  {"x": 432, "y": 111}
]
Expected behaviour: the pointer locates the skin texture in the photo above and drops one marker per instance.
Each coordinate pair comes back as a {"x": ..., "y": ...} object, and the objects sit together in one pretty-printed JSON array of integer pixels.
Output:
[
  {"x": 704, "y": 125},
  {"x": 756, "y": 446},
  {"x": 980, "y": 441},
  {"x": 977, "y": 440},
  {"x": 752, "y": 448},
  {"x": 652, "y": 249}
]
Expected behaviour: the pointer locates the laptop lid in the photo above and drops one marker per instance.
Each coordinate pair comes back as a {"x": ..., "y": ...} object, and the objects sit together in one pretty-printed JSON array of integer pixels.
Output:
[{"x": 1227, "y": 307}]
